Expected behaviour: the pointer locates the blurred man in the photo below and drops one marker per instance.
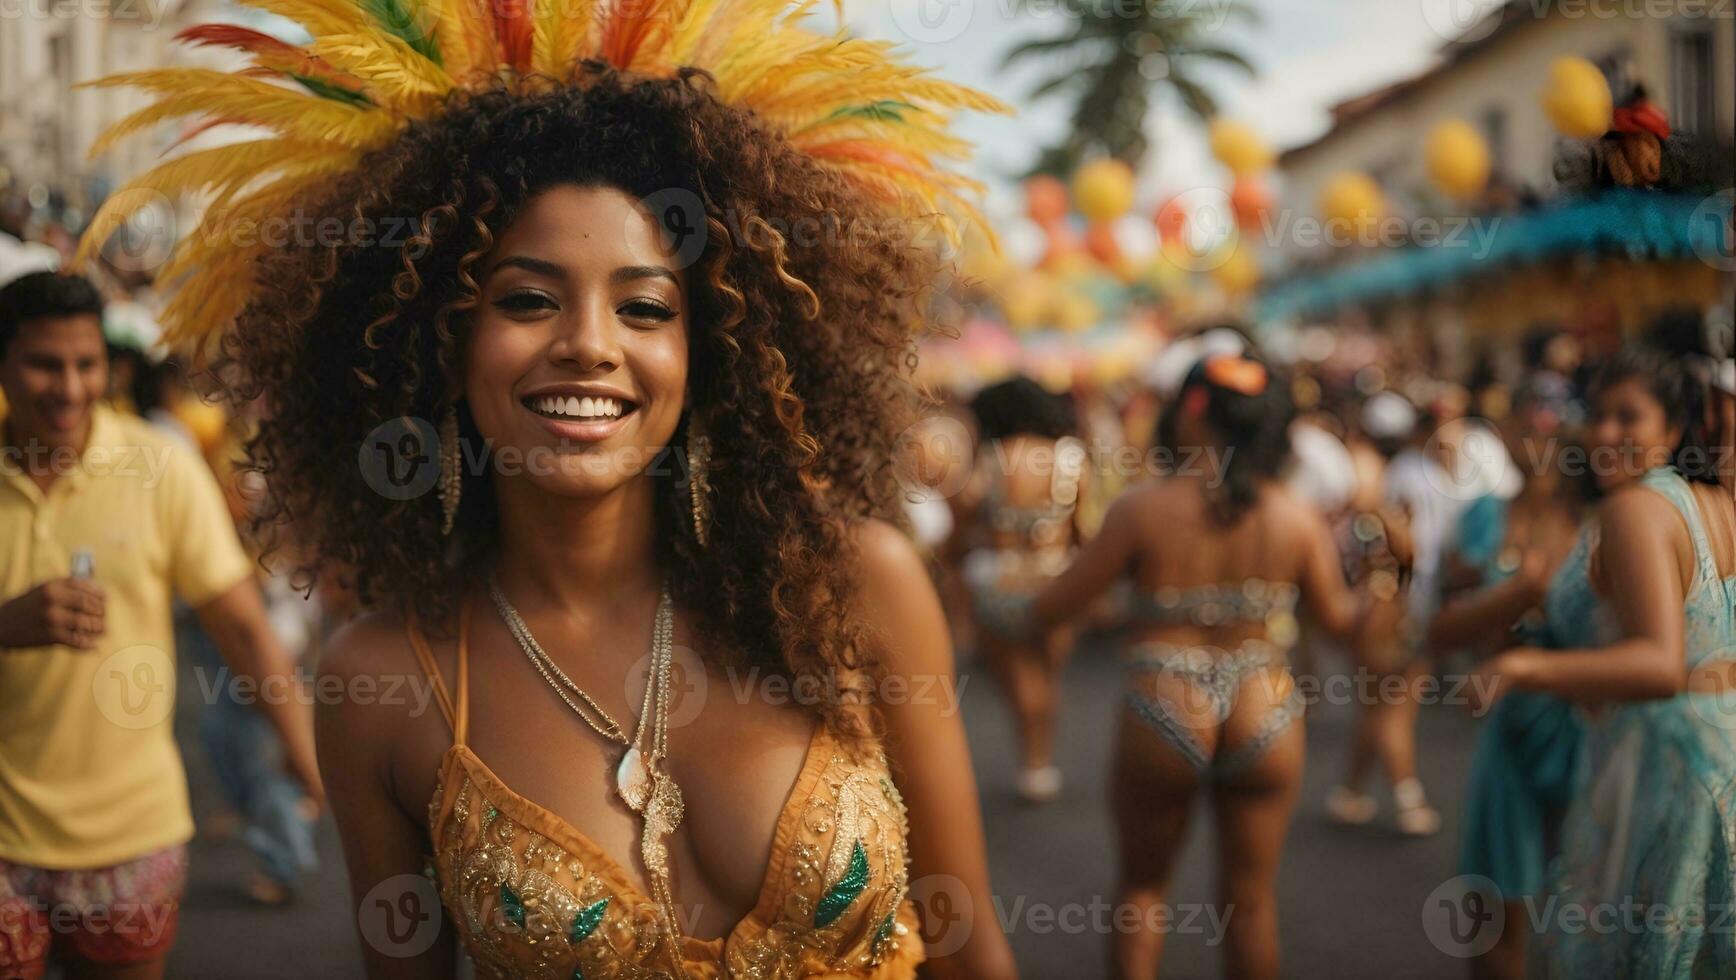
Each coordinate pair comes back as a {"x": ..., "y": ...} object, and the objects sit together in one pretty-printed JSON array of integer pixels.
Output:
[{"x": 102, "y": 520}]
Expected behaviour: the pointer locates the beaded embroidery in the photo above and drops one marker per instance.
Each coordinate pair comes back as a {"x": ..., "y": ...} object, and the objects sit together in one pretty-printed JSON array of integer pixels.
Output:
[{"x": 527, "y": 907}]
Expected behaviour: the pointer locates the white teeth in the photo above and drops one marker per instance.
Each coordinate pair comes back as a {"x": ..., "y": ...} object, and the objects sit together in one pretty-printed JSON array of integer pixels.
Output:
[{"x": 583, "y": 408}]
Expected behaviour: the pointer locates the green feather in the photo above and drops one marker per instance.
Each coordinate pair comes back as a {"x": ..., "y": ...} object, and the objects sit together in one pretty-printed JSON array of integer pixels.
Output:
[
  {"x": 840, "y": 895},
  {"x": 890, "y": 110},
  {"x": 397, "y": 18},
  {"x": 587, "y": 920},
  {"x": 327, "y": 90}
]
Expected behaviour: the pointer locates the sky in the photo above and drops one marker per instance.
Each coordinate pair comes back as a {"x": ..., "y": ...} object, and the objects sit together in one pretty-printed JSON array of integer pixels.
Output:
[{"x": 1310, "y": 54}]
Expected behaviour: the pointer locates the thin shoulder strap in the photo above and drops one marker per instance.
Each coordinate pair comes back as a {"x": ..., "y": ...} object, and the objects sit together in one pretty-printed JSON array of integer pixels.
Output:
[
  {"x": 424, "y": 656},
  {"x": 1680, "y": 492},
  {"x": 461, "y": 724}
]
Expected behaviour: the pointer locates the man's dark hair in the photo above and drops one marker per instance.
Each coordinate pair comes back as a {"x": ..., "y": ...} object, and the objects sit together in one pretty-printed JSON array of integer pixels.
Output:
[{"x": 44, "y": 294}]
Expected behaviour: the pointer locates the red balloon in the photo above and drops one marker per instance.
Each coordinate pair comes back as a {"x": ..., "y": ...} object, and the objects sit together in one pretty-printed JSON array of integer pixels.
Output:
[
  {"x": 1062, "y": 242},
  {"x": 1100, "y": 242},
  {"x": 1250, "y": 200},
  {"x": 1171, "y": 221},
  {"x": 1046, "y": 199}
]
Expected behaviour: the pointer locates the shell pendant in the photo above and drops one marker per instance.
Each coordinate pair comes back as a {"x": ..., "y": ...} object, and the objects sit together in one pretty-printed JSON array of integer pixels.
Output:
[{"x": 633, "y": 779}]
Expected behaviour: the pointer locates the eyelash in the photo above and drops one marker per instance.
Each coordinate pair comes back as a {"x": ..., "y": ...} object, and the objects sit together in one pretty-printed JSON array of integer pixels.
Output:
[{"x": 524, "y": 302}]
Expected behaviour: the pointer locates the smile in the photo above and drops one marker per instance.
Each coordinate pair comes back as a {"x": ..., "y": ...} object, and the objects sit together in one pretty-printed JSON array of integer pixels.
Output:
[{"x": 579, "y": 417}]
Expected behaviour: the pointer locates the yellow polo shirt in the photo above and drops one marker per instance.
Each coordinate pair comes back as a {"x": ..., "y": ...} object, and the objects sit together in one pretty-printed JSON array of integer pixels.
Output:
[{"x": 89, "y": 772}]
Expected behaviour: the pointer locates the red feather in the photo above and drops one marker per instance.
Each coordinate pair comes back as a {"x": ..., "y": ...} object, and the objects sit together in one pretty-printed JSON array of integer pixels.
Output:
[
  {"x": 630, "y": 24},
  {"x": 285, "y": 57},
  {"x": 512, "y": 24}
]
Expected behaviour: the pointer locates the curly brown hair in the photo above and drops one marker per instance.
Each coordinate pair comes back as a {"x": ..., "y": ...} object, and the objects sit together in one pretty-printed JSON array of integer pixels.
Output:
[{"x": 803, "y": 335}]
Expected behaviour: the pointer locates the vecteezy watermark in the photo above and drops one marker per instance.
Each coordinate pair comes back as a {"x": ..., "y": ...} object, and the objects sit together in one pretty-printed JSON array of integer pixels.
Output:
[
  {"x": 149, "y": 13},
  {"x": 29, "y": 921},
  {"x": 414, "y": 691},
  {"x": 948, "y": 914},
  {"x": 1363, "y": 687},
  {"x": 134, "y": 687},
  {"x": 1470, "y": 21},
  {"x": 144, "y": 463},
  {"x": 400, "y": 459},
  {"x": 400, "y": 917},
  {"x": 685, "y": 228},
  {"x": 1466, "y": 916},
  {"x": 692, "y": 685}
]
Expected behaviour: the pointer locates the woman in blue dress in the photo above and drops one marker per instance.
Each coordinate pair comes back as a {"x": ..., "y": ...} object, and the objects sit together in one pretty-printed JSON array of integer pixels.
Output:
[
  {"x": 1523, "y": 563},
  {"x": 1646, "y": 880}
]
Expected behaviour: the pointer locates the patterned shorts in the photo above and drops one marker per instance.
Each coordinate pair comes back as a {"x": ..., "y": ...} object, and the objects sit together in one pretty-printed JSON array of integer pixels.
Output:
[{"x": 124, "y": 913}]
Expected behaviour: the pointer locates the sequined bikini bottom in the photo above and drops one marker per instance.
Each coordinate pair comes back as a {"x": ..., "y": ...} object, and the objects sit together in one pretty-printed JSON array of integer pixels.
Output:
[{"x": 1213, "y": 679}]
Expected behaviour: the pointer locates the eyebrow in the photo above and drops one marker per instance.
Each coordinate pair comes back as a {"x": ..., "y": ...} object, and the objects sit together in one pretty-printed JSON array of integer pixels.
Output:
[{"x": 553, "y": 270}]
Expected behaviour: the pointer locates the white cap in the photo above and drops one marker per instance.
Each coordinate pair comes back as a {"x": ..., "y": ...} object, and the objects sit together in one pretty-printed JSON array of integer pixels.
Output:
[
  {"x": 1323, "y": 473},
  {"x": 1389, "y": 416}
]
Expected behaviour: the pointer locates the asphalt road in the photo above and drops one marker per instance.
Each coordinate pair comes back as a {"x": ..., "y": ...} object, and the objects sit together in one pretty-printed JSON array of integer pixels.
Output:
[{"x": 1350, "y": 901}]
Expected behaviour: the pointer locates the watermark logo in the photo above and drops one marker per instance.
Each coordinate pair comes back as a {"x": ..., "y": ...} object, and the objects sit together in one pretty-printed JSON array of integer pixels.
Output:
[
  {"x": 688, "y": 684},
  {"x": 947, "y": 913},
  {"x": 134, "y": 687},
  {"x": 933, "y": 21},
  {"x": 1464, "y": 916},
  {"x": 1462, "y": 21},
  {"x": 681, "y": 223},
  {"x": 400, "y": 458},
  {"x": 1712, "y": 229},
  {"x": 400, "y": 917}
]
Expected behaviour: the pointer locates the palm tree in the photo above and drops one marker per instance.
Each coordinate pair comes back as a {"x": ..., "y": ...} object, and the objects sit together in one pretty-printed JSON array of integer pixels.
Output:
[{"x": 1117, "y": 56}]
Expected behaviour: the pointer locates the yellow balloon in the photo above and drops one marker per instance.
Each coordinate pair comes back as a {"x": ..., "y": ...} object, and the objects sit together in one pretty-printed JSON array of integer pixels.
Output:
[
  {"x": 1238, "y": 273},
  {"x": 1578, "y": 99},
  {"x": 1353, "y": 198},
  {"x": 1103, "y": 189},
  {"x": 1075, "y": 312},
  {"x": 1458, "y": 159},
  {"x": 1238, "y": 147},
  {"x": 1024, "y": 302}
]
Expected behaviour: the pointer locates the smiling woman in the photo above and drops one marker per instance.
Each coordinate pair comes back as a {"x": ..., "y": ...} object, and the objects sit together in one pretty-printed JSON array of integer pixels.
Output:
[{"x": 662, "y": 319}]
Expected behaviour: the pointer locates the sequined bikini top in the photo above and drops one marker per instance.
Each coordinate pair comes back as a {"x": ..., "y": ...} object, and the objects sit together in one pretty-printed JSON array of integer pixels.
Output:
[
  {"x": 532, "y": 896},
  {"x": 1254, "y": 602},
  {"x": 1041, "y": 524}
]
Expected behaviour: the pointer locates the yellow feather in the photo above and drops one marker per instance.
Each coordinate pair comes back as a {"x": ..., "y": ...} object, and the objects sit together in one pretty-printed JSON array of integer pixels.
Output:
[
  {"x": 469, "y": 51},
  {"x": 395, "y": 72},
  {"x": 185, "y": 174},
  {"x": 247, "y": 101},
  {"x": 320, "y": 17},
  {"x": 562, "y": 32}
]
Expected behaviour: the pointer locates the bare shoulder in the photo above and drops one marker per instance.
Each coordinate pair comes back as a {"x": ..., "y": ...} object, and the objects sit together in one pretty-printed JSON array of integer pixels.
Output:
[
  {"x": 898, "y": 600},
  {"x": 370, "y": 681},
  {"x": 1639, "y": 510},
  {"x": 889, "y": 569}
]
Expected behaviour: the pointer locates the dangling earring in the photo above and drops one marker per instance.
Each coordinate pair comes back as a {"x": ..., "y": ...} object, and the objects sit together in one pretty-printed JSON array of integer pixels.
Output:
[
  {"x": 451, "y": 460},
  {"x": 698, "y": 478}
]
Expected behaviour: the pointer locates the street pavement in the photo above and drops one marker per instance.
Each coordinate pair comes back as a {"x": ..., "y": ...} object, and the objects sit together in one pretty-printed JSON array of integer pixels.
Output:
[{"x": 1350, "y": 902}]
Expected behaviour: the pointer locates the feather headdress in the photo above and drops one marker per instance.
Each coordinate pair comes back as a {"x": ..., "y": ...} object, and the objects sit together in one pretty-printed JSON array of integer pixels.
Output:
[{"x": 372, "y": 66}]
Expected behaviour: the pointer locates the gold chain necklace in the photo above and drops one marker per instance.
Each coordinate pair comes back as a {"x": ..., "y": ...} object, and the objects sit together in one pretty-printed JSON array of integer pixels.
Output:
[{"x": 641, "y": 778}]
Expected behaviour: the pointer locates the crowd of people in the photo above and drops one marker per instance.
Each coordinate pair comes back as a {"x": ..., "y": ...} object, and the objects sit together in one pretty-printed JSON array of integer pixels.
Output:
[
  {"x": 1560, "y": 534},
  {"x": 538, "y": 470}
]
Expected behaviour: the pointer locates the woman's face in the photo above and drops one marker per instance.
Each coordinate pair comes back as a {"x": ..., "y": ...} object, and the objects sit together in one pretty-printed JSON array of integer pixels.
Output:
[
  {"x": 576, "y": 371},
  {"x": 1631, "y": 433}
]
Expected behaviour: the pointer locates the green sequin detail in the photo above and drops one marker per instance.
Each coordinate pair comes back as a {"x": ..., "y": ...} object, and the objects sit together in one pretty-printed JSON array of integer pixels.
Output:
[
  {"x": 586, "y": 921},
  {"x": 511, "y": 906},
  {"x": 840, "y": 895},
  {"x": 883, "y": 931}
]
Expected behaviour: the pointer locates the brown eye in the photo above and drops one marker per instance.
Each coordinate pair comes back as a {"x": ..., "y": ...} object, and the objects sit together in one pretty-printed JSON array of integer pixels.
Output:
[
  {"x": 524, "y": 301},
  {"x": 645, "y": 309}
]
